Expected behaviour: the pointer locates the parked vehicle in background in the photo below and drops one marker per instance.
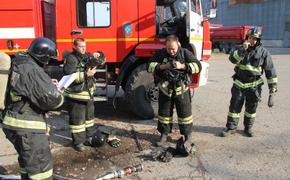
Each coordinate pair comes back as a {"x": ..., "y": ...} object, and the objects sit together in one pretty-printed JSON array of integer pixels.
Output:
[{"x": 225, "y": 38}]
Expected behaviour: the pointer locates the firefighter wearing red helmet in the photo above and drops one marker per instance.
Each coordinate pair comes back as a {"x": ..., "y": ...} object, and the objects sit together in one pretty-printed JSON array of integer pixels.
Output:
[
  {"x": 172, "y": 67},
  {"x": 251, "y": 60},
  {"x": 31, "y": 94}
]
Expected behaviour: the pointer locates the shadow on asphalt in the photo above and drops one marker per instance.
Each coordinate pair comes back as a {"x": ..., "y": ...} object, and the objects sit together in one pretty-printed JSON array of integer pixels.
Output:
[
  {"x": 208, "y": 129},
  {"x": 106, "y": 111},
  {"x": 216, "y": 131}
]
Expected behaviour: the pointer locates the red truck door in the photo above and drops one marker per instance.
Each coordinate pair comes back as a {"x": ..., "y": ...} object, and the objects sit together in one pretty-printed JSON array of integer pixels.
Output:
[
  {"x": 21, "y": 22},
  {"x": 95, "y": 20}
]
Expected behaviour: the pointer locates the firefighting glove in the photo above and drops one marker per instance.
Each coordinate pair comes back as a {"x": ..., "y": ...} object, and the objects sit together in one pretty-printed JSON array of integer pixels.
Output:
[
  {"x": 157, "y": 152},
  {"x": 168, "y": 155},
  {"x": 114, "y": 141},
  {"x": 271, "y": 97}
]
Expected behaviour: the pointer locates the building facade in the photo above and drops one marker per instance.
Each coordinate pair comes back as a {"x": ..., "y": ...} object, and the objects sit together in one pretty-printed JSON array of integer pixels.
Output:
[{"x": 272, "y": 15}]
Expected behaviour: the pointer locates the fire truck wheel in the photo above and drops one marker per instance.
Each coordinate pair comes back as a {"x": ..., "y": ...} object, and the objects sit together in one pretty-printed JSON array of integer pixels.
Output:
[{"x": 141, "y": 93}]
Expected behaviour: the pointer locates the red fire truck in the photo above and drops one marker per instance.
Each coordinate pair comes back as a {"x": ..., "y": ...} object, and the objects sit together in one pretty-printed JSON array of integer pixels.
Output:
[
  {"x": 226, "y": 38},
  {"x": 129, "y": 32}
]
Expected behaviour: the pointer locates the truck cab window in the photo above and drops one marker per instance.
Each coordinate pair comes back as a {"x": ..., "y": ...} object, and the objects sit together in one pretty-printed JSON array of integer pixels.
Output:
[
  {"x": 171, "y": 19},
  {"x": 165, "y": 18},
  {"x": 94, "y": 13},
  {"x": 195, "y": 6}
]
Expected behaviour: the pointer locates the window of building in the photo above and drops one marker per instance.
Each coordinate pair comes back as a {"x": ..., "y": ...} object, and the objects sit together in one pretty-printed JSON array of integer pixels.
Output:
[{"x": 94, "y": 13}]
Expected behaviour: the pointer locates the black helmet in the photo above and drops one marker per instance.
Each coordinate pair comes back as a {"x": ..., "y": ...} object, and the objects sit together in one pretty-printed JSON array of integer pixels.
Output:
[
  {"x": 43, "y": 50},
  {"x": 98, "y": 139},
  {"x": 254, "y": 32}
]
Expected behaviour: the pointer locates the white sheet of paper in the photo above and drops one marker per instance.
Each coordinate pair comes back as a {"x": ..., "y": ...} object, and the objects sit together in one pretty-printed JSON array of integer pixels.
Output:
[{"x": 66, "y": 81}]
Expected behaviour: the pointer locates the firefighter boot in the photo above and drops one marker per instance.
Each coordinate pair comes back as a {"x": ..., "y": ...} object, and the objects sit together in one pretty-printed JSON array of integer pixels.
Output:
[
  {"x": 189, "y": 146},
  {"x": 249, "y": 132},
  {"x": 162, "y": 141},
  {"x": 228, "y": 132},
  {"x": 80, "y": 147}
]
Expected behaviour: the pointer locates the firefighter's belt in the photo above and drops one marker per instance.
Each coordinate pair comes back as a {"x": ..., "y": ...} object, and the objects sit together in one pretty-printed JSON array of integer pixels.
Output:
[{"x": 248, "y": 85}]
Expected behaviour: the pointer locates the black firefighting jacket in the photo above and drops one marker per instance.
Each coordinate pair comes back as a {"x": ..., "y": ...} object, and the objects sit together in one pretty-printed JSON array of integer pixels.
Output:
[
  {"x": 250, "y": 66},
  {"x": 83, "y": 87},
  {"x": 183, "y": 55},
  {"x": 31, "y": 95}
]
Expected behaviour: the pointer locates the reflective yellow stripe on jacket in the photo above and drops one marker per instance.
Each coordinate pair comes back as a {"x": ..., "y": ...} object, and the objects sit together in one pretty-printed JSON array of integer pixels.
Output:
[
  {"x": 23, "y": 171},
  {"x": 249, "y": 67},
  {"x": 194, "y": 68},
  {"x": 168, "y": 92},
  {"x": 80, "y": 77},
  {"x": 90, "y": 123},
  {"x": 236, "y": 56},
  {"x": 248, "y": 85},
  {"x": 84, "y": 95},
  {"x": 152, "y": 67},
  {"x": 272, "y": 81},
  {"x": 25, "y": 124},
  {"x": 43, "y": 175}
]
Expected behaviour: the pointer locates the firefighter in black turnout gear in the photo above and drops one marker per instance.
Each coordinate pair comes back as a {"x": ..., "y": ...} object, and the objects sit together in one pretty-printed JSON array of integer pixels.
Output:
[
  {"x": 80, "y": 94},
  {"x": 251, "y": 60},
  {"x": 31, "y": 94},
  {"x": 172, "y": 67}
]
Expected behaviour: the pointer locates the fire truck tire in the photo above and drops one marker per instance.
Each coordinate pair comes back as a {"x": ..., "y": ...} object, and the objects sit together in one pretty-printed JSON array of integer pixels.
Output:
[{"x": 141, "y": 93}]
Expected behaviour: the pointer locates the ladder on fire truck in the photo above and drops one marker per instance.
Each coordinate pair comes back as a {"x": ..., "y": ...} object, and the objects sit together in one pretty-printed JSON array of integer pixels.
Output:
[{"x": 101, "y": 93}]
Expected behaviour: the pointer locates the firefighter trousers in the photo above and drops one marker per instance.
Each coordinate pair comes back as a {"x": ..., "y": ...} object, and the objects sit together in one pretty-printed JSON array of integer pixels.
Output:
[
  {"x": 182, "y": 103},
  {"x": 81, "y": 120},
  {"x": 34, "y": 156},
  {"x": 250, "y": 97}
]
